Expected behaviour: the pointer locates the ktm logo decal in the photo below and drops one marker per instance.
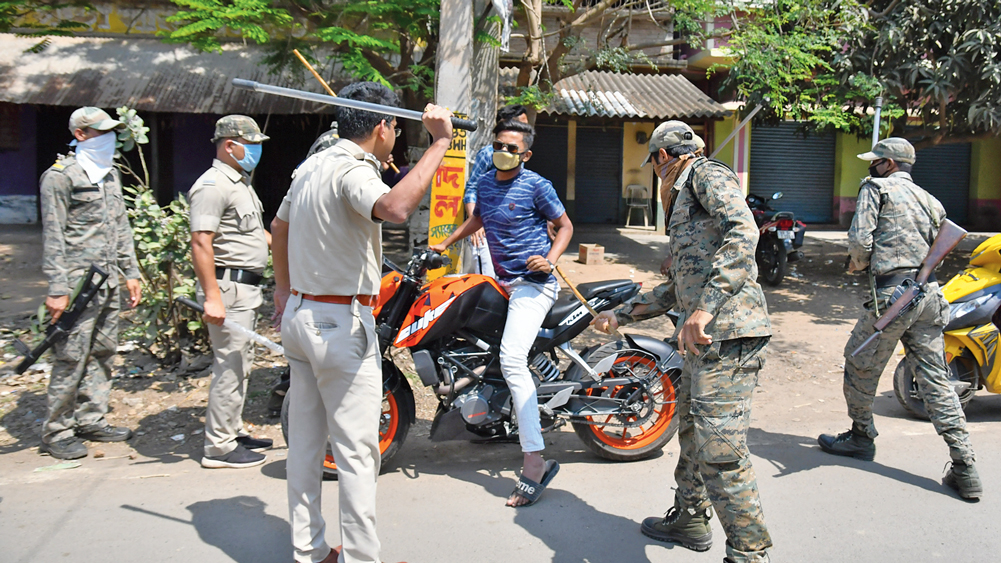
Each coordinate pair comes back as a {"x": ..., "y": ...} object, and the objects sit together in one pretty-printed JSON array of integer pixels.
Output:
[{"x": 423, "y": 322}]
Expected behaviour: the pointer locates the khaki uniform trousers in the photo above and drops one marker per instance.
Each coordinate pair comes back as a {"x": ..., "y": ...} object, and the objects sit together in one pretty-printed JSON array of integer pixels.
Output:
[
  {"x": 233, "y": 358},
  {"x": 335, "y": 392},
  {"x": 714, "y": 406},
  {"x": 80, "y": 382}
]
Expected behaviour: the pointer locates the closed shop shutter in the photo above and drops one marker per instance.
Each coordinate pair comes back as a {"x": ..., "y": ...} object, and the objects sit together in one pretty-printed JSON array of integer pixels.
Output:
[
  {"x": 598, "y": 183},
  {"x": 549, "y": 156},
  {"x": 944, "y": 171},
  {"x": 801, "y": 168}
]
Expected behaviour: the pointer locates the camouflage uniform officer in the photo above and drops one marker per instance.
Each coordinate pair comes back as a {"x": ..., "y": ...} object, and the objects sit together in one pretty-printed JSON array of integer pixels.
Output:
[
  {"x": 724, "y": 329},
  {"x": 895, "y": 223},
  {"x": 653, "y": 303},
  {"x": 84, "y": 222},
  {"x": 229, "y": 248}
]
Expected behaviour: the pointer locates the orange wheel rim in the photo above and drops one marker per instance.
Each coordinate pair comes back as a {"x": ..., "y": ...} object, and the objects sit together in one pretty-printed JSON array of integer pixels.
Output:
[
  {"x": 391, "y": 415},
  {"x": 640, "y": 436}
]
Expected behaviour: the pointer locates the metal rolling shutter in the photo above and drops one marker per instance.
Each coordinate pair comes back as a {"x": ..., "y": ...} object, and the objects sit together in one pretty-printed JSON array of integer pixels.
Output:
[
  {"x": 598, "y": 184},
  {"x": 549, "y": 156},
  {"x": 801, "y": 168},
  {"x": 944, "y": 171}
]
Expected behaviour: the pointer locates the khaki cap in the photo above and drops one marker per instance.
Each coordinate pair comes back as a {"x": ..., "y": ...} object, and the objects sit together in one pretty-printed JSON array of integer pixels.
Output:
[
  {"x": 239, "y": 126},
  {"x": 893, "y": 148},
  {"x": 672, "y": 134},
  {"x": 94, "y": 118}
]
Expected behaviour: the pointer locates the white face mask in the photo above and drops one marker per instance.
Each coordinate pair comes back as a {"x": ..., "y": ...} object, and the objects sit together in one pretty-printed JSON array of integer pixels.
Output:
[{"x": 97, "y": 155}]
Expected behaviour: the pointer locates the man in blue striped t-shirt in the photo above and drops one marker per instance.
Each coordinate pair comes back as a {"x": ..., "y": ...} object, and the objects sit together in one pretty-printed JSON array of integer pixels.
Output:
[{"x": 513, "y": 205}]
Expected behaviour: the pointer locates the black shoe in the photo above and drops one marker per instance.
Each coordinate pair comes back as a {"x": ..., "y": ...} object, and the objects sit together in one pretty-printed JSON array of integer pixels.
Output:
[
  {"x": 965, "y": 480},
  {"x": 67, "y": 448},
  {"x": 236, "y": 459},
  {"x": 108, "y": 433},
  {"x": 252, "y": 443},
  {"x": 849, "y": 444},
  {"x": 686, "y": 527}
]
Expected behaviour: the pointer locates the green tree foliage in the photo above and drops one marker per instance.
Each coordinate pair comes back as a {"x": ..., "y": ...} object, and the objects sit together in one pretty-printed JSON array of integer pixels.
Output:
[
  {"x": 387, "y": 41},
  {"x": 937, "y": 63},
  {"x": 162, "y": 240}
]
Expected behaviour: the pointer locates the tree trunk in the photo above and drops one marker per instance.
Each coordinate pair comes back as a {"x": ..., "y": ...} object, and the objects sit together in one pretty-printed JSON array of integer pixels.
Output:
[{"x": 485, "y": 78}]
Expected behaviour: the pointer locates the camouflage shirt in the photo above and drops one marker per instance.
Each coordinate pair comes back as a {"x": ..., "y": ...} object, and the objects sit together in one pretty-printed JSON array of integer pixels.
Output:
[
  {"x": 659, "y": 301},
  {"x": 713, "y": 239},
  {"x": 83, "y": 224},
  {"x": 894, "y": 225}
]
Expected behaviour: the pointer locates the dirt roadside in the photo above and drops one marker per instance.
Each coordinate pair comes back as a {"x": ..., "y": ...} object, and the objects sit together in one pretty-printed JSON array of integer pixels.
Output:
[{"x": 811, "y": 312}]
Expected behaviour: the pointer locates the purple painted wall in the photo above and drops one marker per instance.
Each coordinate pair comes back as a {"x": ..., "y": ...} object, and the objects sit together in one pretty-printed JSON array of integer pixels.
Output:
[
  {"x": 193, "y": 149},
  {"x": 17, "y": 168}
]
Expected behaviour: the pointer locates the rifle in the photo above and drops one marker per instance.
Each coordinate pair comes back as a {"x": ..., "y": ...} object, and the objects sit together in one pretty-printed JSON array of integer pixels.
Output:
[
  {"x": 60, "y": 329},
  {"x": 233, "y": 325},
  {"x": 907, "y": 295}
]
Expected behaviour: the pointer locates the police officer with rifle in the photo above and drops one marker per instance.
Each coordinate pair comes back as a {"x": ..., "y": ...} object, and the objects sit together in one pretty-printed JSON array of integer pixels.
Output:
[{"x": 900, "y": 234}]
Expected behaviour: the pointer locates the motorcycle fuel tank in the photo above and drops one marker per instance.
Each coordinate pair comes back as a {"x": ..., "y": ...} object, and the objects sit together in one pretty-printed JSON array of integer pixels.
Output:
[{"x": 450, "y": 303}]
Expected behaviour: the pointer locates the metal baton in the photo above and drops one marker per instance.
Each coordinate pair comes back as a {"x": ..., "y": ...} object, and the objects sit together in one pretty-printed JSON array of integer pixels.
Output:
[
  {"x": 233, "y": 325},
  {"x": 457, "y": 123}
]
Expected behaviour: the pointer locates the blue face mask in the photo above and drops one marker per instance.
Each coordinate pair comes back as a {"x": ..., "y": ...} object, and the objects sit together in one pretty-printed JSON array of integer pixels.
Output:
[{"x": 251, "y": 156}]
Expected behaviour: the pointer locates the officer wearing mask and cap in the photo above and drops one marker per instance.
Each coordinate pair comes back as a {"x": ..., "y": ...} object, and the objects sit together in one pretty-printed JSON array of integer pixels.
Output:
[
  {"x": 723, "y": 332},
  {"x": 895, "y": 224},
  {"x": 229, "y": 248},
  {"x": 84, "y": 222}
]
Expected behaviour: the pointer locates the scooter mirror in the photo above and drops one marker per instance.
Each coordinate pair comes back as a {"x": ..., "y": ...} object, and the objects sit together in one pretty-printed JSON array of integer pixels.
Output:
[{"x": 777, "y": 195}]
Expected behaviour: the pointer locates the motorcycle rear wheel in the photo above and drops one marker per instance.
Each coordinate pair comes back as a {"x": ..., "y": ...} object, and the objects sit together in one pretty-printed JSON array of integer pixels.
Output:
[
  {"x": 394, "y": 425},
  {"x": 636, "y": 443},
  {"x": 773, "y": 261},
  {"x": 905, "y": 388}
]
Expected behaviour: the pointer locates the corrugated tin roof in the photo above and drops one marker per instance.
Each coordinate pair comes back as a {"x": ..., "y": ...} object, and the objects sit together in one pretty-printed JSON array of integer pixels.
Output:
[
  {"x": 609, "y": 94},
  {"x": 143, "y": 73}
]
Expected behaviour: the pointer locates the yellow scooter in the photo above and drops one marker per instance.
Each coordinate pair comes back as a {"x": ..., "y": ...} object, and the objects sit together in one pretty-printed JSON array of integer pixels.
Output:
[{"x": 971, "y": 337}]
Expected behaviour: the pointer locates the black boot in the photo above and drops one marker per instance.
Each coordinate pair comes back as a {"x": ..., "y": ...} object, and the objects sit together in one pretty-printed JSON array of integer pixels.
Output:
[
  {"x": 105, "y": 433},
  {"x": 849, "y": 444},
  {"x": 684, "y": 526},
  {"x": 963, "y": 477},
  {"x": 67, "y": 448}
]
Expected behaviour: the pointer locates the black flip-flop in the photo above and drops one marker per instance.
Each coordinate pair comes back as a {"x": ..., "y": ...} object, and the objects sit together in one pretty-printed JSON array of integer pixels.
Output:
[{"x": 530, "y": 490}]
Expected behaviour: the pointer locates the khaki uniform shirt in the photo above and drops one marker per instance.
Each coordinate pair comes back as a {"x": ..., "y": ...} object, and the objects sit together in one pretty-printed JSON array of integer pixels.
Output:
[
  {"x": 334, "y": 242},
  {"x": 894, "y": 225},
  {"x": 713, "y": 239},
  {"x": 223, "y": 202},
  {"x": 83, "y": 224}
]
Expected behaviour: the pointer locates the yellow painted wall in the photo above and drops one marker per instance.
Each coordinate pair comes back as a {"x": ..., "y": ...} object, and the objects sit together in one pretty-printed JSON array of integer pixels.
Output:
[
  {"x": 985, "y": 185},
  {"x": 633, "y": 154},
  {"x": 721, "y": 129},
  {"x": 848, "y": 168}
]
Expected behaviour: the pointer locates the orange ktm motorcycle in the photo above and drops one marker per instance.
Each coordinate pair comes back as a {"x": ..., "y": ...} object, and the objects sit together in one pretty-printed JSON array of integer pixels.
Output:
[{"x": 620, "y": 398}]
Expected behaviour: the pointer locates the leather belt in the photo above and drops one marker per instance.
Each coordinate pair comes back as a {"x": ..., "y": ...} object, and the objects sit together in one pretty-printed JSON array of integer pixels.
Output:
[
  {"x": 895, "y": 278},
  {"x": 367, "y": 300},
  {"x": 239, "y": 276}
]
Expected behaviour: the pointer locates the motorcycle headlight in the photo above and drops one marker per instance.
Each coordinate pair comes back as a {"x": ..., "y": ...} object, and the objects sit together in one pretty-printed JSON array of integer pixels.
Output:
[{"x": 957, "y": 310}]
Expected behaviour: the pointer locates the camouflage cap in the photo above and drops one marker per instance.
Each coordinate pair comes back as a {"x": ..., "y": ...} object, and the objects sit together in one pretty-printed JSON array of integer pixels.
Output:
[
  {"x": 672, "y": 134},
  {"x": 893, "y": 148},
  {"x": 94, "y": 118},
  {"x": 239, "y": 126}
]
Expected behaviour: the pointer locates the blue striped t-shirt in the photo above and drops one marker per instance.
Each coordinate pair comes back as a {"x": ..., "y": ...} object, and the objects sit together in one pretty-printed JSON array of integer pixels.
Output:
[{"x": 514, "y": 214}]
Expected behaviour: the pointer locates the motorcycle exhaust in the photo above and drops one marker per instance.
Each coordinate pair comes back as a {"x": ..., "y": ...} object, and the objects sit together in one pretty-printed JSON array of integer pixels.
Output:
[{"x": 444, "y": 389}]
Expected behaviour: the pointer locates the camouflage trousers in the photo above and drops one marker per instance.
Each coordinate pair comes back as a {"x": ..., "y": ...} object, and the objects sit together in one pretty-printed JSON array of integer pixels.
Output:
[
  {"x": 920, "y": 331},
  {"x": 80, "y": 382},
  {"x": 714, "y": 406}
]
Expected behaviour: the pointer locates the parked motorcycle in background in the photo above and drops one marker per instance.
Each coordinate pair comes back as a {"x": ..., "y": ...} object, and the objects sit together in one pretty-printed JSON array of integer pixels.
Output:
[
  {"x": 971, "y": 337},
  {"x": 779, "y": 237}
]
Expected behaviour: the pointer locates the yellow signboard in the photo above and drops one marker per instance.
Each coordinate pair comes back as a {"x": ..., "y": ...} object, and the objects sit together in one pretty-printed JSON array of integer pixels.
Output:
[{"x": 447, "y": 189}]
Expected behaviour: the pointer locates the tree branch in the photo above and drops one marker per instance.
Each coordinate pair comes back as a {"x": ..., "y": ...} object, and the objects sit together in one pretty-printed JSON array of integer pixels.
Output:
[{"x": 884, "y": 13}]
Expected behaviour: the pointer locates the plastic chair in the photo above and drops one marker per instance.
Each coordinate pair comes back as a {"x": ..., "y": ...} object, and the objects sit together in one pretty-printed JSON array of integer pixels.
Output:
[{"x": 638, "y": 197}]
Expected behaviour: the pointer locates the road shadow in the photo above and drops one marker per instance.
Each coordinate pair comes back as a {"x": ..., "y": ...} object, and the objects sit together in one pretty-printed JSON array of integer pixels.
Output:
[
  {"x": 238, "y": 526},
  {"x": 24, "y": 421},
  {"x": 985, "y": 407},
  {"x": 494, "y": 468},
  {"x": 791, "y": 454}
]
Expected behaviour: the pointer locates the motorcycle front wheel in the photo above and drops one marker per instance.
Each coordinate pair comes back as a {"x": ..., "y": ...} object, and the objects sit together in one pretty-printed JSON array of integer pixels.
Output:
[
  {"x": 905, "y": 388},
  {"x": 772, "y": 260},
  {"x": 606, "y": 436},
  {"x": 393, "y": 427}
]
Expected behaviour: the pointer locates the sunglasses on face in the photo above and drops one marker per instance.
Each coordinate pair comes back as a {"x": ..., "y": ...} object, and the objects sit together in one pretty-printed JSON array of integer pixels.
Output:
[
  {"x": 506, "y": 147},
  {"x": 396, "y": 130}
]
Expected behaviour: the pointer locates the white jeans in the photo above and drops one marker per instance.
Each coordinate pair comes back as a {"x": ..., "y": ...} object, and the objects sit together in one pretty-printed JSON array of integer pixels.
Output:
[
  {"x": 336, "y": 391},
  {"x": 527, "y": 308},
  {"x": 477, "y": 258}
]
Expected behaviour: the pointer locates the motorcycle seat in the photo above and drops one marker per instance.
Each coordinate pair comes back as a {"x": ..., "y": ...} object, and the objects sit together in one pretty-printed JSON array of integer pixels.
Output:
[{"x": 566, "y": 303}]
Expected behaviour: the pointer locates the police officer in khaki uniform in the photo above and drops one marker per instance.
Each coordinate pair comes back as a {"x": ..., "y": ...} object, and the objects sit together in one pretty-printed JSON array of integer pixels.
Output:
[
  {"x": 328, "y": 256},
  {"x": 84, "y": 222},
  {"x": 229, "y": 248}
]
